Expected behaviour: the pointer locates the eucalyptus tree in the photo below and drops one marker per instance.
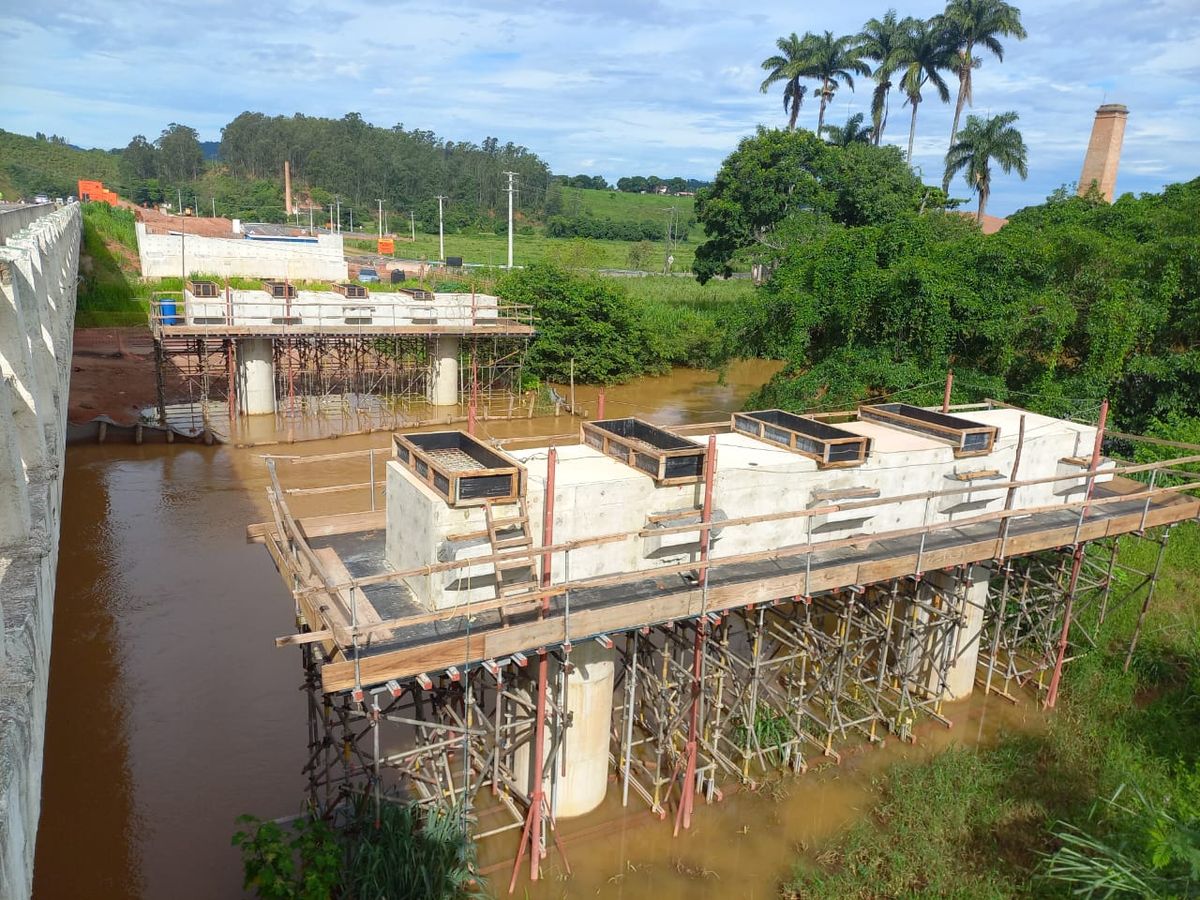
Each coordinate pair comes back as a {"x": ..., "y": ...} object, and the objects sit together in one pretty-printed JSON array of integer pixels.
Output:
[
  {"x": 788, "y": 66},
  {"x": 832, "y": 61},
  {"x": 853, "y": 132},
  {"x": 922, "y": 56},
  {"x": 879, "y": 41},
  {"x": 971, "y": 24},
  {"x": 981, "y": 143}
]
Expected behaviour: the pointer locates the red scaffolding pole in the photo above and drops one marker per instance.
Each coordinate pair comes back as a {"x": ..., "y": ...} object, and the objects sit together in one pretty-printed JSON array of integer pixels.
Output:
[
  {"x": 683, "y": 815},
  {"x": 1076, "y": 565},
  {"x": 531, "y": 834}
]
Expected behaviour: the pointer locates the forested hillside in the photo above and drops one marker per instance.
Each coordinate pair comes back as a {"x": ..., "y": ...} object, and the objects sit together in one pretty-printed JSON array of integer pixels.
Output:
[
  {"x": 361, "y": 163},
  {"x": 44, "y": 165}
]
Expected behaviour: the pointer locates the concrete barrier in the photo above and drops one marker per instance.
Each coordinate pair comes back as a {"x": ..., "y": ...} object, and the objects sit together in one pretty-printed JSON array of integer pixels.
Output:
[{"x": 39, "y": 263}]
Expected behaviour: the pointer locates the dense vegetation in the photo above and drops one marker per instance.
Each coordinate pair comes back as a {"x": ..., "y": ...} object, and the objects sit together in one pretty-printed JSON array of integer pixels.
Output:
[
  {"x": 399, "y": 852},
  {"x": 1072, "y": 301}
]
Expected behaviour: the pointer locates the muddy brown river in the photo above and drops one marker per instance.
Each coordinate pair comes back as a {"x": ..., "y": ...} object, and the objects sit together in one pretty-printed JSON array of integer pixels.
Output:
[{"x": 171, "y": 712}]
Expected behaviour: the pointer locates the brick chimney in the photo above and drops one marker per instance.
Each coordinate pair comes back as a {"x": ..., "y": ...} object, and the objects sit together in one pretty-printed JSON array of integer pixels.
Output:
[
  {"x": 1104, "y": 151},
  {"x": 287, "y": 186}
]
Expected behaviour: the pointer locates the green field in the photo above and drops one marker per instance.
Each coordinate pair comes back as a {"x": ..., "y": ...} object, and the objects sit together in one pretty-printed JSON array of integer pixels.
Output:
[
  {"x": 620, "y": 206},
  {"x": 492, "y": 250}
]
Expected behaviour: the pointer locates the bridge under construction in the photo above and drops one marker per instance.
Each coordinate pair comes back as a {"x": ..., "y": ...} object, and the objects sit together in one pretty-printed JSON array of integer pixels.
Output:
[
  {"x": 390, "y": 357},
  {"x": 517, "y": 630}
]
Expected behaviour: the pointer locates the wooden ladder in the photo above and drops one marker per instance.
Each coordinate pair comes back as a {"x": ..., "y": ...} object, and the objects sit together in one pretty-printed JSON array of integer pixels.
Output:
[{"x": 517, "y": 575}]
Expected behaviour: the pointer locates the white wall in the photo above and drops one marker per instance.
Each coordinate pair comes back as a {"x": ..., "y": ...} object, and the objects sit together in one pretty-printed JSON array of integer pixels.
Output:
[
  {"x": 160, "y": 256},
  {"x": 38, "y": 269}
]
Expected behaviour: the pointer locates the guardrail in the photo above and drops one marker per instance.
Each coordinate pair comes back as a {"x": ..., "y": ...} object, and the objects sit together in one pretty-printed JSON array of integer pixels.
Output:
[{"x": 180, "y": 313}]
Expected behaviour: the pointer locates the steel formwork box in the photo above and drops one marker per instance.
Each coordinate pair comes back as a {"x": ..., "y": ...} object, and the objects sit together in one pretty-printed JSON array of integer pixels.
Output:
[
  {"x": 203, "y": 290},
  {"x": 966, "y": 437},
  {"x": 350, "y": 291},
  {"x": 417, "y": 293},
  {"x": 279, "y": 290},
  {"x": 664, "y": 456},
  {"x": 831, "y": 447},
  {"x": 459, "y": 468}
]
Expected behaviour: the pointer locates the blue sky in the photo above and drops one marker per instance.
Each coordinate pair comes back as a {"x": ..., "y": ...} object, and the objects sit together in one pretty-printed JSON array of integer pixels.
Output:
[{"x": 612, "y": 88}]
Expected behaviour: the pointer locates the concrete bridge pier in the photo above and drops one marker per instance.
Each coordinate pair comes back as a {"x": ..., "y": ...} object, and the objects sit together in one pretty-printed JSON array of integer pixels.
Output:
[
  {"x": 956, "y": 648},
  {"x": 443, "y": 377},
  {"x": 256, "y": 377},
  {"x": 589, "y": 691}
]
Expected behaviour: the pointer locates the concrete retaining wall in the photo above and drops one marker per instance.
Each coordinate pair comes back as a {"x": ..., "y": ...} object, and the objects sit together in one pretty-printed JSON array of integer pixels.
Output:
[
  {"x": 38, "y": 268},
  {"x": 165, "y": 255}
]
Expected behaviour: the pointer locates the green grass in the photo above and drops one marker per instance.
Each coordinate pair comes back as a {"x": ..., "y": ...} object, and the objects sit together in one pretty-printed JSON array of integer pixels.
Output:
[
  {"x": 983, "y": 823},
  {"x": 619, "y": 206},
  {"x": 492, "y": 250},
  {"x": 111, "y": 293}
]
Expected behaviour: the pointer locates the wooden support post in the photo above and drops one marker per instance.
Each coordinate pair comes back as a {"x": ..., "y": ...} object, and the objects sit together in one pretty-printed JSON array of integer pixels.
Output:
[
  {"x": 949, "y": 388},
  {"x": 1076, "y": 564}
]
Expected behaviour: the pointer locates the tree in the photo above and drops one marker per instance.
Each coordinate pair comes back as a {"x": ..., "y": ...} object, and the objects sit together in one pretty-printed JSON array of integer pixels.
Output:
[
  {"x": 971, "y": 23},
  {"x": 852, "y": 132},
  {"x": 137, "y": 166},
  {"x": 788, "y": 66},
  {"x": 777, "y": 184},
  {"x": 980, "y": 143},
  {"x": 584, "y": 318},
  {"x": 179, "y": 153},
  {"x": 879, "y": 41},
  {"x": 923, "y": 55},
  {"x": 832, "y": 61}
]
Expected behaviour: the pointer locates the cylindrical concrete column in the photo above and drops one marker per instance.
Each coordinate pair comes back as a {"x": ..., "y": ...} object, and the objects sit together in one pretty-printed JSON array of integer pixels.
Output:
[
  {"x": 960, "y": 679},
  {"x": 585, "y": 745},
  {"x": 443, "y": 379},
  {"x": 256, "y": 377}
]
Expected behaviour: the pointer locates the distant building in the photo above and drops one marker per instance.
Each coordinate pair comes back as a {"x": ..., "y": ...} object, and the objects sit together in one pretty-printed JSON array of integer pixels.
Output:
[
  {"x": 96, "y": 191},
  {"x": 1104, "y": 151}
]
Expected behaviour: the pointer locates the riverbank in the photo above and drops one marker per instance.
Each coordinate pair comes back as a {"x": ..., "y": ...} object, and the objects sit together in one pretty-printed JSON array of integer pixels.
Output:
[{"x": 112, "y": 374}]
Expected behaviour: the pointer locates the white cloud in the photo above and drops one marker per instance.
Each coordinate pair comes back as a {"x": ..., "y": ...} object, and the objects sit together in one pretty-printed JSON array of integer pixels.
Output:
[{"x": 617, "y": 87}]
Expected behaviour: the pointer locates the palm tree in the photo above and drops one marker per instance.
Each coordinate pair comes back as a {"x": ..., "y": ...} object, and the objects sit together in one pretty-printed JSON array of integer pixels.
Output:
[
  {"x": 879, "y": 41},
  {"x": 788, "y": 66},
  {"x": 923, "y": 55},
  {"x": 850, "y": 133},
  {"x": 981, "y": 143},
  {"x": 982, "y": 23},
  {"x": 831, "y": 61}
]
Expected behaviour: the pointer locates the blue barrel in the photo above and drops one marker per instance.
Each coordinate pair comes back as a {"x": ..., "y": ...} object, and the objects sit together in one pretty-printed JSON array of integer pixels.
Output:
[{"x": 168, "y": 311}]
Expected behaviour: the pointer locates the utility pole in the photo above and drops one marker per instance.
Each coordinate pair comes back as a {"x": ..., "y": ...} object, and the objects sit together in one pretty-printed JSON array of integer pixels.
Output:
[
  {"x": 352, "y": 220},
  {"x": 380, "y": 216},
  {"x": 182, "y": 241},
  {"x": 338, "y": 201},
  {"x": 412, "y": 224},
  {"x": 310, "y": 217},
  {"x": 214, "y": 200},
  {"x": 441, "y": 236},
  {"x": 331, "y": 218},
  {"x": 511, "y": 176}
]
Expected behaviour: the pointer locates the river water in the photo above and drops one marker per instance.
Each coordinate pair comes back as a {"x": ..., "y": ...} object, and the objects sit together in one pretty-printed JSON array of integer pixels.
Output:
[{"x": 171, "y": 712}]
